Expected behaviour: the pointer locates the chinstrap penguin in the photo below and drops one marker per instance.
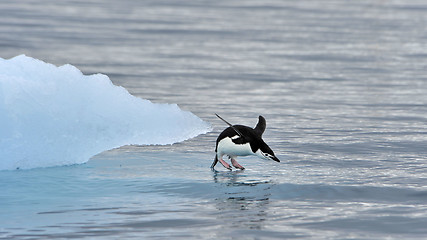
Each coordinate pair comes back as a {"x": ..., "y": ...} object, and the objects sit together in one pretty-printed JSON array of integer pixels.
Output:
[{"x": 239, "y": 140}]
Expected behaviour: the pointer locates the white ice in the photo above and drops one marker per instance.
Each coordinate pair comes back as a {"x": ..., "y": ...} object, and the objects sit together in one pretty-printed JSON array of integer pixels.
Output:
[{"x": 52, "y": 116}]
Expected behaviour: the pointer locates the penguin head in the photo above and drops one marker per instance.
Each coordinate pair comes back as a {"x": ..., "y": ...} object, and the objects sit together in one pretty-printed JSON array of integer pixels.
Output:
[{"x": 265, "y": 152}]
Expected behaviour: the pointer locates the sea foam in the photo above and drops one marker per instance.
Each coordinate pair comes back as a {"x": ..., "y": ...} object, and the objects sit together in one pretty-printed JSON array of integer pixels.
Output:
[{"x": 53, "y": 116}]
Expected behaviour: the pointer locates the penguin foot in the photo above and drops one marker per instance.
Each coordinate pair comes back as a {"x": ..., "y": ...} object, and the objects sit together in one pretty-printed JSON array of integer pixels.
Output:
[
  {"x": 226, "y": 165},
  {"x": 236, "y": 164}
]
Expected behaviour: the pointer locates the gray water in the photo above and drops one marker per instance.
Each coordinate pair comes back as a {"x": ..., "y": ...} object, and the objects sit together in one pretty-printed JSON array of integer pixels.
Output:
[{"x": 342, "y": 84}]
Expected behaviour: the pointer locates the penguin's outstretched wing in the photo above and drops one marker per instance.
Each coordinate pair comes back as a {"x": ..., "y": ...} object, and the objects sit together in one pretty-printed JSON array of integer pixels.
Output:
[
  {"x": 229, "y": 124},
  {"x": 260, "y": 127}
]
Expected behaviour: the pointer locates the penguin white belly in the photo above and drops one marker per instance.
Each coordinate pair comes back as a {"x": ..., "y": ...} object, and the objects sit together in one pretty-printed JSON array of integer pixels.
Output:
[{"x": 227, "y": 147}]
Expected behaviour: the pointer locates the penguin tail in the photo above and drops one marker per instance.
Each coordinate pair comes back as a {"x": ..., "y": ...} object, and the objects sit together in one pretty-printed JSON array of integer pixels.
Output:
[{"x": 215, "y": 161}]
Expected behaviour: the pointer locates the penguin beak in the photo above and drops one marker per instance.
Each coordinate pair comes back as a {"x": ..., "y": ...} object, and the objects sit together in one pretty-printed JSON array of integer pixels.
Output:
[{"x": 274, "y": 158}]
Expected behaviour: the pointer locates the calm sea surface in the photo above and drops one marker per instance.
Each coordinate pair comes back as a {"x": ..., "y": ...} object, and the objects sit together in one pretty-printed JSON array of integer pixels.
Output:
[{"x": 342, "y": 84}]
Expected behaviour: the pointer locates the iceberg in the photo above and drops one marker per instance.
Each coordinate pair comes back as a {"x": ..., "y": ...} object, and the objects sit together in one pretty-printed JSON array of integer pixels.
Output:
[{"x": 54, "y": 116}]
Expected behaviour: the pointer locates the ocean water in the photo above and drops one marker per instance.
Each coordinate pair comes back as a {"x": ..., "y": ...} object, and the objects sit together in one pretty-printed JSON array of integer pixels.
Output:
[{"x": 342, "y": 84}]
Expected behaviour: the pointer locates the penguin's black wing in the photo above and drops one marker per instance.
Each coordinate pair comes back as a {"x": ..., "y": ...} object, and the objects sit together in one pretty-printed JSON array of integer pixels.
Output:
[
  {"x": 229, "y": 124},
  {"x": 260, "y": 127}
]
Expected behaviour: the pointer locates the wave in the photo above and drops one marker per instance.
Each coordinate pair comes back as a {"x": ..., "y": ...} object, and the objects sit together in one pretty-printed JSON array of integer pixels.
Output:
[{"x": 53, "y": 116}]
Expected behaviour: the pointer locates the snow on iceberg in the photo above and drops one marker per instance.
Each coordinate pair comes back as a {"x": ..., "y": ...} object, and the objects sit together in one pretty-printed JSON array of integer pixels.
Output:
[{"x": 52, "y": 116}]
